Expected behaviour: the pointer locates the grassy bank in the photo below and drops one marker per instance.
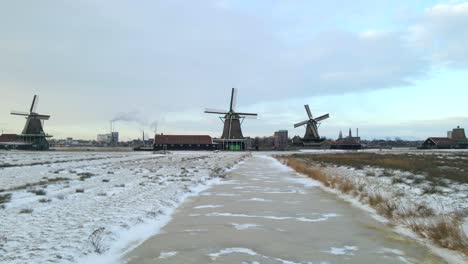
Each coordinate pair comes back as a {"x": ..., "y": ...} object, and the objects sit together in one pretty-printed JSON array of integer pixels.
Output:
[
  {"x": 444, "y": 230},
  {"x": 434, "y": 166}
]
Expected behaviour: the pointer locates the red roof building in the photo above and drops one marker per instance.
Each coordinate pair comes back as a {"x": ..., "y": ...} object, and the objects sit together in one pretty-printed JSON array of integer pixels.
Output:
[
  {"x": 8, "y": 138},
  {"x": 439, "y": 143},
  {"x": 183, "y": 142}
]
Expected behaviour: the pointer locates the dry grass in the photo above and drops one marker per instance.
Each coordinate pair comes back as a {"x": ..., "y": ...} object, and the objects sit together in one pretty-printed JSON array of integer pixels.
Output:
[
  {"x": 26, "y": 211},
  {"x": 387, "y": 208},
  {"x": 434, "y": 166},
  {"x": 375, "y": 199},
  {"x": 38, "y": 192},
  {"x": 4, "y": 198},
  {"x": 45, "y": 200},
  {"x": 303, "y": 168},
  {"x": 443, "y": 230},
  {"x": 346, "y": 186},
  {"x": 85, "y": 175}
]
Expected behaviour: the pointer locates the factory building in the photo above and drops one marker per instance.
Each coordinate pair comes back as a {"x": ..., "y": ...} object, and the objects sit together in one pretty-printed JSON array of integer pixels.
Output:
[
  {"x": 111, "y": 138},
  {"x": 348, "y": 142}
]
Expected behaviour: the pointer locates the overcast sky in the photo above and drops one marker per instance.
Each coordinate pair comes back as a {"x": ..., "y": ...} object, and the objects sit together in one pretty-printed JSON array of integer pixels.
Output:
[{"x": 392, "y": 68}]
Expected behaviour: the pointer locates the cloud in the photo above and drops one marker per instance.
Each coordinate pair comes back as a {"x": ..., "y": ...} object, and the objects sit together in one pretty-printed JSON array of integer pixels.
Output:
[
  {"x": 182, "y": 56},
  {"x": 339, "y": 61},
  {"x": 441, "y": 34},
  {"x": 177, "y": 48}
]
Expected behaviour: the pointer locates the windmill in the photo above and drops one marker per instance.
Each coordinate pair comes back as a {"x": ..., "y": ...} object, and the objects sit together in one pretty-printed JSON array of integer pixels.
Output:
[
  {"x": 232, "y": 120},
  {"x": 312, "y": 123},
  {"x": 34, "y": 126}
]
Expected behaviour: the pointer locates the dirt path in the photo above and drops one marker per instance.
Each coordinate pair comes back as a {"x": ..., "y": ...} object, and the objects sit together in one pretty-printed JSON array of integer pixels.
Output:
[{"x": 266, "y": 213}]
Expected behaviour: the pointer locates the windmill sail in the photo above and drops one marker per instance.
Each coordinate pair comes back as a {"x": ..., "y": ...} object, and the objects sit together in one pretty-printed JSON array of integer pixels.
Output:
[
  {"x": 233, "y": 99},
  {"x": 215, "y": 111},
  {"x": 34, "y": 104}
]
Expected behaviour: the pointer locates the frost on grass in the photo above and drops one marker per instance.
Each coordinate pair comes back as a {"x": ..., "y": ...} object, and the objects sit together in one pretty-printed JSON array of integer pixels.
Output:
[
  {"x": 431, "y": 205},
  {"x": 4, "y": 198}
]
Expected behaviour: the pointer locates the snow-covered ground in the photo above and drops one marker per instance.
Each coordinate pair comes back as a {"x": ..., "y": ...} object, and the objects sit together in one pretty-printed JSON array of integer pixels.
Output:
[
  {"x": 412, "y": 188},
  {"x": 406, "y": 189},
  {"x": 451, "y": 197},
  {"x": 59, "y": 199}
]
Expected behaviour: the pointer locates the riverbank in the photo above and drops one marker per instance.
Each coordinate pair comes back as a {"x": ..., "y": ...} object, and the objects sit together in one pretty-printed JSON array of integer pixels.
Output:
[{"x": 433, "y": 214}]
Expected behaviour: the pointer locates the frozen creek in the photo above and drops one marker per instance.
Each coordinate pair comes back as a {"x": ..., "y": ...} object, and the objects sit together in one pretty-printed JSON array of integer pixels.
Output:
[{"x": 266, "y": 213}]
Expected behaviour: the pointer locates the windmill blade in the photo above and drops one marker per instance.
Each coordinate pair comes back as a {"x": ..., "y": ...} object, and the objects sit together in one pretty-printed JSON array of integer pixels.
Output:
[
  {"x": 20, "y": 113},
  {"x": 320, "y": 118},
  {"x": 34, "y": 104},
  {"x": 308, "y": 111},
  {"x": 301, "y": 123},
  {"x": 42, "y": 117},
  {"x": 215, "y": 111},
  {"x": 247, "y": 114},
  {"x": 233, "y": 99}
]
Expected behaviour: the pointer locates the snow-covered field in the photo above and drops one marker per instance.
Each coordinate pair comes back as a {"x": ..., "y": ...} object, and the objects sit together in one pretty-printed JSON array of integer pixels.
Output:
[
  {"x": 415, "y": 189},
  {"x": 53, "y": 201},
  {"x": 409, "y": 187}
]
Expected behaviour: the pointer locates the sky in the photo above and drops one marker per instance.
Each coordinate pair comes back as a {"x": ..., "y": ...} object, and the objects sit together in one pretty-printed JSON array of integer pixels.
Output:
[{"x": 390, "y": 68}]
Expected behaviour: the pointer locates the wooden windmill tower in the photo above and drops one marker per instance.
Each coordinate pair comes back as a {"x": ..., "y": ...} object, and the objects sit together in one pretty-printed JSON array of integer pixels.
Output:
[
  {"x": 33, "y": 131},
  {"x": 311, "y": 134},
  {"x": 232, "y": 120}
]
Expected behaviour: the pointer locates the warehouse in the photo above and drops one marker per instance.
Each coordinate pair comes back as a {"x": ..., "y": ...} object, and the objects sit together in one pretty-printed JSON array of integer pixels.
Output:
[{"x": 184, "y": 142}]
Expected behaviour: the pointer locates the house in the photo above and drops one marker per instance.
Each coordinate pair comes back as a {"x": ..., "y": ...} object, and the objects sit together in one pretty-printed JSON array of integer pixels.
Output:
[
  {"x": 455, "y": 139},
  {"x": 439, "y": 143}
]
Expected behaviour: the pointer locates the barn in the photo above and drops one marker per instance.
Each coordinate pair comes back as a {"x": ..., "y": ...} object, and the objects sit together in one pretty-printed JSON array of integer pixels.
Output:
[
  {"x": 456, "y": 138},
  {"x": 439, "y": 143}
]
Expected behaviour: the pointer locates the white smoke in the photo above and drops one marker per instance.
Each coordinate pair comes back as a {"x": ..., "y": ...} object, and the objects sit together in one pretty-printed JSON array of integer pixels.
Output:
[
  {"x": 141, "y": 120},
  {"x": 133, "y": 116}
]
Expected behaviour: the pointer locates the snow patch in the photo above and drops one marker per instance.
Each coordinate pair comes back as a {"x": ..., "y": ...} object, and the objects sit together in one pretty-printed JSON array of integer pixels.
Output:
[
  {"x": 324, "y": 217},
  {"x": 249, "y": 252},
  {"x": 227, "y": 251},
  {"x": 255, "y": 199},
  {"x": 207, "y": 206},
  {"x": 165, "y": 255},
  {"x": 226, "y": 194},
  {"x": 346, "y": 250},
  {"x": 244, "y": 226},
  {"x": 307, "y": 182}
]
